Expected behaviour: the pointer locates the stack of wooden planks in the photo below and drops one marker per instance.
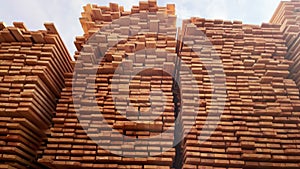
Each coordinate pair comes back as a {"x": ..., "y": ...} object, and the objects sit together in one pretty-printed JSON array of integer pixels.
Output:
[
  {"x": 259, "y": 125},
  {"x": 32, "y": 67},
  {"x": 287, "y": 16},
  {"x": 140, "y": 85},
  {"x": 137, "y": 115},
  {"x": 96, "y": 17}
]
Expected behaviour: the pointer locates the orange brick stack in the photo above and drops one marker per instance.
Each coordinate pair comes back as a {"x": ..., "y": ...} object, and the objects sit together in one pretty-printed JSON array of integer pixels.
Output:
[
  {"x": 287, "y": 15},
  {"x": 259, "y": 125},
  {"x": 32, "y": 64},
  {"x": 149, "y": 104}
]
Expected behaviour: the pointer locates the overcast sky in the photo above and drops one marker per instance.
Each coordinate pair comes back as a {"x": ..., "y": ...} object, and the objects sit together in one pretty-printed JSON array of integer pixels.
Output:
[{"x": 65, "y": 13}]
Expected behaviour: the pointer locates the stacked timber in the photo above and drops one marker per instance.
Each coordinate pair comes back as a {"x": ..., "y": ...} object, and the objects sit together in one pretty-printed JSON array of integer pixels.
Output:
[
  {"x": 32, "y": 67},
  {"x": 287, "y": 16},
  {"x": 259, "y": 125},
  {"x": 96, "y": 17},
  {"x": 99, "y": 123},
  {"x": 224, "y": 95}
]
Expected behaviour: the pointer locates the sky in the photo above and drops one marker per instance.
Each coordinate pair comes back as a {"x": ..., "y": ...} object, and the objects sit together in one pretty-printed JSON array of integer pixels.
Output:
[{"x": 65, "y": 13}]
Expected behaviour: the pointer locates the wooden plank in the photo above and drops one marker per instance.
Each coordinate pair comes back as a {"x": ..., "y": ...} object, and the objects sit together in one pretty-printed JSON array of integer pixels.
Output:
[
  {"x": 2, "y": 25},
  {"x": 20, "y": 25}
]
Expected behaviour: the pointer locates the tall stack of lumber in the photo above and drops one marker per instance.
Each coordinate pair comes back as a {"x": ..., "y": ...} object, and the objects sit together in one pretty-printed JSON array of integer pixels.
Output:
[
  {"x": 96, "y": 17},
  {"x": 287, "y": 15},
  {"x": 259, "y": 127},
  {"x": 131, "y": 96},
  {"x": 32, "y": 67},
  {"x": 147, "y": 110}
]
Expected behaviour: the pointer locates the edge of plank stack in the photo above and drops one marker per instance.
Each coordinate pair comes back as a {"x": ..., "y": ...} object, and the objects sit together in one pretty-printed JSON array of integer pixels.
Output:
[
  {"x": 287, "y": 15},
  {"x": 32, "y": 67}
]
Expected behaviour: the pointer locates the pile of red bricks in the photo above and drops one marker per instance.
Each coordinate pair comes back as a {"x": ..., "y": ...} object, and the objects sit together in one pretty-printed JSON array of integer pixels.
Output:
[
  {"x": 227, "y": 91},
  {"x": 32, "y": 67}
]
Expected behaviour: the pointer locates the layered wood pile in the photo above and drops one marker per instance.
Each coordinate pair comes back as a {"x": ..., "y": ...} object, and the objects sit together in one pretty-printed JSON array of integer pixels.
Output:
[
  {"x": 95, "y": 17},
  {"x": 136, "y": 115},
  {"x": 287, "y": 15},
  {"x": 32, "y": 67},
  {"x": 259, "y": 125},
  {"x": 132, "y": 82}
]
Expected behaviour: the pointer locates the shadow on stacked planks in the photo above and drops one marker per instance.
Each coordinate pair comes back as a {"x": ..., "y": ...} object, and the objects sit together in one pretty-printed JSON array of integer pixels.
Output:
[
  {"x": 287, "y": 15},
  {"x": 142, "y": 111},
  {"x": 259, "y": 126},
  {"x": 32, "y": 67}
]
